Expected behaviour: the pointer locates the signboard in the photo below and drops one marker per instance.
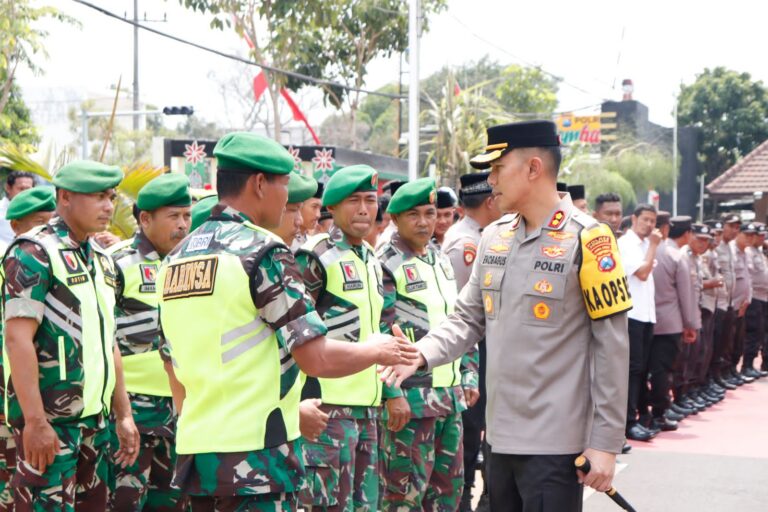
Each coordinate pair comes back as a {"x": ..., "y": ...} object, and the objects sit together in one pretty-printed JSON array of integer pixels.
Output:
[{"x": 582, "y": 129}]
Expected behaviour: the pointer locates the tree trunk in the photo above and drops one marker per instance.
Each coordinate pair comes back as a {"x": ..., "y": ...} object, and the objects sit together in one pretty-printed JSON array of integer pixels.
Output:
[{"x": 274, "y": 95}]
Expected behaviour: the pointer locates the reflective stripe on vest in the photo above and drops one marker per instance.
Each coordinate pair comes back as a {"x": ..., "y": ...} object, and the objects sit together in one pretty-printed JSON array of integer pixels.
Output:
[
  {"x": 356, "y": 283},
  {"x": 428, "y": 285},
  {"x": 227, "y": 358},
  {"x": 90, "y": 324},
  {"x": 144, "y": 372}
]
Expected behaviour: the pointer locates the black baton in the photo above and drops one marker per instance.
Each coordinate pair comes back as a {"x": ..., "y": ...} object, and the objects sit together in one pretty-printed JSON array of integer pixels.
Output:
[{"x": 582, "y": 463}]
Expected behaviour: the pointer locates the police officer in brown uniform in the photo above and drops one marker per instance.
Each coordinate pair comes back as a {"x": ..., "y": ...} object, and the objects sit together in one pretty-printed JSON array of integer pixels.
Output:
[{"x": 550, "y": 296}]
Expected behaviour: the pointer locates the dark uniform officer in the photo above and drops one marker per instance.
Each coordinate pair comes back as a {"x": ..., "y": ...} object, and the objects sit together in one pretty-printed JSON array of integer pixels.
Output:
[
  {"x": 549, "y": 294},
  {"x": 758, "y": 308},
  {"x": 578, "y": 195}
]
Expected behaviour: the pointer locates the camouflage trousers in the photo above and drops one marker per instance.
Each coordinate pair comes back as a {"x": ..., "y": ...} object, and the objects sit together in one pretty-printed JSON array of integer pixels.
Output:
[
  {"x": 146, "y": 484},
  {"x": 423, "y": 466},
  {"x": 342, "y": 467},
  {"x": 76, "y": 479},
  {"x": 275, "y": 502},
  {"x": 7, "y": 467}
]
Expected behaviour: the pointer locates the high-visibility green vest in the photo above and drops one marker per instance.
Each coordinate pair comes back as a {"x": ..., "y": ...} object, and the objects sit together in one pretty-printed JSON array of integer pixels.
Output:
[
  {"x": 354, "y": 316},
  {"x": 433, "y": 288},
  {"x": 229, "y": 361},
  {"x": 80, "y": 321},
  {"x": 138, "y": 323}
]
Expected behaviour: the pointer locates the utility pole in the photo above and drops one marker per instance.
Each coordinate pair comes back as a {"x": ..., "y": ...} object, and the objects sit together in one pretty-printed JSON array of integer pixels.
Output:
[
  {"x": 674, "y": 161},
  {"x": 135, "y": 63},
  {"x": 413, "y": 90}
]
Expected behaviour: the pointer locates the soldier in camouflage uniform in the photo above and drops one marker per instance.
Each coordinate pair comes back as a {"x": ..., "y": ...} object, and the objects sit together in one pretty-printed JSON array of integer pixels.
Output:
[
  {"x": 423, "y": 464},
  {"x": 164, "y": 205},
  {"x": 344, "y": 277},
  {"x": 65, "y": 371},
  {"x": 28, "y": 209},
  {"x": 237, "y": 327}
]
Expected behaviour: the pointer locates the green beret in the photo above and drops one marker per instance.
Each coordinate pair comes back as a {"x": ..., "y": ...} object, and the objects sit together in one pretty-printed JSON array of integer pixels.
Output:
[
  {"x": 171, "y": 189},
  {"x": 348, "y": 180},
  {"x": 413, "y": 194},
  {"x": 300, "y": 188},
  {"x": 247, "y": 152},
  {"x": 37, "y": 199},
  {"x": 87, "y": 177},
  {"x": 201, "y": 210}
]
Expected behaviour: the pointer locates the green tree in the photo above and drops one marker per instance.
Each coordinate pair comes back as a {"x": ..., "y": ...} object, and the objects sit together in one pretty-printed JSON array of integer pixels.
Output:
[
  {"x": 731, "y": 110},
  {"x": 485, "y": 71},
  {"x": 18, "y": 126},
  {"x": 279, "y": 33},
  {"x": 527, "y": 91}
]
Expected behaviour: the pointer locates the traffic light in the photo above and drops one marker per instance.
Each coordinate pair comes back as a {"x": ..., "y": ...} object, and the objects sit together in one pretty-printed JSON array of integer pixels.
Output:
[{"x": 178, "y": 111}]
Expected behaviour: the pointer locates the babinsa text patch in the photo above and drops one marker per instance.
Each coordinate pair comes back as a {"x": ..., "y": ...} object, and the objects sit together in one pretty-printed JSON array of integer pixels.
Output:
[{"x": 190, "y": 278}]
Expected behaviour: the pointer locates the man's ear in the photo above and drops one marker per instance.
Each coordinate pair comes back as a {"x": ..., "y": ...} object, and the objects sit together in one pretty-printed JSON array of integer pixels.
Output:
[{"x": 535, "y": 167}]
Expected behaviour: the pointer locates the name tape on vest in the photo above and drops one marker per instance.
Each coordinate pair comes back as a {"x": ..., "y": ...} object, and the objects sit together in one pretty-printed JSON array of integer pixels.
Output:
[{"x": 190, "y": 278}]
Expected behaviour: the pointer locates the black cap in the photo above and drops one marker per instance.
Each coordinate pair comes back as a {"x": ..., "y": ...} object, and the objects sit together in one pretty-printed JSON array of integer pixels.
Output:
[
  {"x": 702, "y": 230},
  {"x": 446, "y": 198},
  {"x": 391, "y": 186},
  {"x": 505, "y": 137},
  {"x": 577, "y": 192},
  {"x": 320, "y": 188},
  {"x": 748, "y": 228},
  {"x": 562, "y": 187},
  {"x": 474, "y": 184},
  {"x": 731, "y": 218},
  {"x": 714, "y": 225},
  {"x": 325, "y": 214},
  {"x": 662, "y": 218},
  {"x": 680, "y": 225}
]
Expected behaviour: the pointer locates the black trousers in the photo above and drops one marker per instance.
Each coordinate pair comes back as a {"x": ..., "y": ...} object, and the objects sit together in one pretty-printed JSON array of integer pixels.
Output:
[
  {"x": 707, "y": 347},
  {"x": 755, "y": 330},
  {"x": 721, "y": 339},
  {"x": 474, "y": 424},
  {"x": 661, "y": 360},
  {"x": 640, "y": 336},
  {"x": 534, "y": 483},
  {"x": 739, "y": 333}
]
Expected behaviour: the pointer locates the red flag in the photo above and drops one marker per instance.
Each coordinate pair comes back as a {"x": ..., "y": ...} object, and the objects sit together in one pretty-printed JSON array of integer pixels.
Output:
[
  {"x": 456, "y": 89},
  {"x": 259, "y": 85},
  {"x": 298, "y": 115}
]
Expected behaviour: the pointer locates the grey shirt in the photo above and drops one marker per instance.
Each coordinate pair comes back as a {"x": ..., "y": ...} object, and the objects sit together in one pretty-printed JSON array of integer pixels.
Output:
[
  {"x": 697, "y": 282},
  {"x": 708, "y": 265},
  {"x": 556, "y": 378},
  {"x": 460, "y": 245},
  {"x": 758, "y": 271},
  {"x": 675, "y": 302},
  {"x": 742, "y": 286},
  {"x": 725, "y": 268}
]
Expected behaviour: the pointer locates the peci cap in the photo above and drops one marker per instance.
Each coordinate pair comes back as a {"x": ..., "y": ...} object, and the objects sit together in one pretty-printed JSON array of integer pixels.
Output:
[{"x": 506, "y": 137}]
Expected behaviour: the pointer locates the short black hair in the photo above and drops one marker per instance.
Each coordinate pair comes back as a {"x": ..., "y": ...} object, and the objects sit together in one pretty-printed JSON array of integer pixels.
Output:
[
  {"x": 15, "y": 175},
  {"x": 626, "y": 222},
  {"x": 644, "y": 207},
  {"x": 555, "y": 154},
  {"x": 608, "y": 197},
  {"x": 472, "y": 201},
  {"x": 230, "y": 184},
  {"x": 136, "y": 213}
]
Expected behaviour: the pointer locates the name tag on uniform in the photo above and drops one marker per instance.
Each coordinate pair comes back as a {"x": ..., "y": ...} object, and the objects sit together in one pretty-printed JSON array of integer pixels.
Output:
[
  {"x": 148, "y": 278},
  {"x": 413, "y": 281},
  {"x": 199, "y": 242},
  {"x": 352, "y": 279}
]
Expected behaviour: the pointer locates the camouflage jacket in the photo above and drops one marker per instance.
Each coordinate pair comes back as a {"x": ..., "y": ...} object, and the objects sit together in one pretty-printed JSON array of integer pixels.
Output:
[
  {"x": 425, "y": 401},
  {"x": 138, "y": 333},
  {"x": 279, "y": 294},
  {"x": 32, "y": 291}
]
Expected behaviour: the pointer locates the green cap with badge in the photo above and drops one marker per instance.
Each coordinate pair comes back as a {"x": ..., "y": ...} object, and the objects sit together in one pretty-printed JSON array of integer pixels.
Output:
[
  {"x": 414, "y": 193},
  {"x": 37, "y": 199},
  {"x": 87, "y": 177},
  {"x": 300, "y": 188},
  {"x": 201, "y": 210},
  {"x": 348, "y": 180},
  {"x": 246, "y": 152},
  {"x": 171, "y": 189}
]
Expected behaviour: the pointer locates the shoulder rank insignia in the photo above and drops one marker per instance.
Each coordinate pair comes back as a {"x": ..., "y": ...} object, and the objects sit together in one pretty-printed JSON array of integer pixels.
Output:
[
  {"x": 470, "y": 253},
  {"x": 557, "y": 219}
]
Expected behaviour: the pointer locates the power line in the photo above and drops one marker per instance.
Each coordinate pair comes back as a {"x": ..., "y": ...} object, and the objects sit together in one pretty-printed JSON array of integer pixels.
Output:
[
  {"x": 293, "y": 74},
  {"x": 523, "y": 61}
]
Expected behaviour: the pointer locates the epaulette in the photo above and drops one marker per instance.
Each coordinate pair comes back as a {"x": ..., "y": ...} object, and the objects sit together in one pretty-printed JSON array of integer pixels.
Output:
[{"x": 586, "y": 221}]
